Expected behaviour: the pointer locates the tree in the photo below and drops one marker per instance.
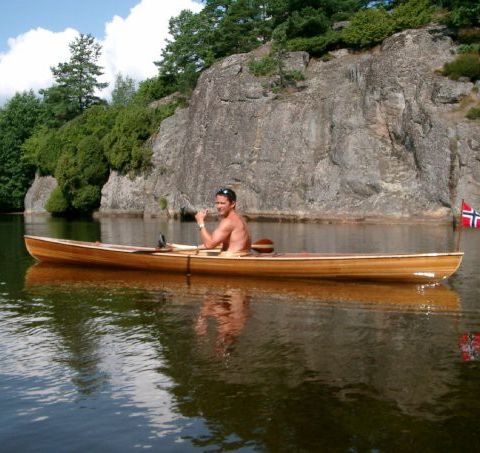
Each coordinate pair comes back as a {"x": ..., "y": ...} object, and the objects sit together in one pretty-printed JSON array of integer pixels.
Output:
[
  {"x": 76, "y": 81},
  {"x": 123, "y": 91},
  {"x": 18, "y": 119},
  {"x": 190, "y": 50},
  {"x": 464, "y": 13}
]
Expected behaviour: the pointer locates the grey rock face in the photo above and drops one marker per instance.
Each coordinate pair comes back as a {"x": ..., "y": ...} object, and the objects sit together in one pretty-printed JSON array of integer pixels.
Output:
[
  {"x": 377, "y": 135},
  {"x": 38, "y": 194}
]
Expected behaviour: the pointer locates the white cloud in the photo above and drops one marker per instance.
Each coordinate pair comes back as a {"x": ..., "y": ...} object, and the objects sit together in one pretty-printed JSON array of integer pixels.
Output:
[
  {"x": 130, "y": 47},
  {"x": 27, "y": 63}
]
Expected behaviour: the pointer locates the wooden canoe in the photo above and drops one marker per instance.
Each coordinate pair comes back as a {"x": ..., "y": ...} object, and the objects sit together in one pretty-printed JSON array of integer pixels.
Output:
[{"x": 416, "y": 268}]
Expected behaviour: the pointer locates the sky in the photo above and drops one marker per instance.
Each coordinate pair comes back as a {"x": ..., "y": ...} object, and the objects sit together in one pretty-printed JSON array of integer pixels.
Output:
[{"x": 34, "y": 36}]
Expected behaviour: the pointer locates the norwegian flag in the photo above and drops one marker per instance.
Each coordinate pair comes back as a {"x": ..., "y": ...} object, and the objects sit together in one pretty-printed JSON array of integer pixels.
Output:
[{"x": 470, "y": 217}]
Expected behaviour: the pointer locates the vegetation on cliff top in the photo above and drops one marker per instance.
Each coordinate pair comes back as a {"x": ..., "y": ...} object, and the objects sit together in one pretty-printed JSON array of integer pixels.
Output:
[{"x": 78, "y": 137}]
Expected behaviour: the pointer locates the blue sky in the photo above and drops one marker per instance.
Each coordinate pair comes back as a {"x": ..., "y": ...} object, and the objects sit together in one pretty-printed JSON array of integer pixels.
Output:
[
  {"x": 34, "y": 36},
  {"x": 86, "y": 16}
]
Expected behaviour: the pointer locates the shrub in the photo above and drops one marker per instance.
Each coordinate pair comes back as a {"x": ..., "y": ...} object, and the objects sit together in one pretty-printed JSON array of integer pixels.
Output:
[
  {"x": 153, "y": 89},
  {"x": 264, "y": 66},
  {"x": 57, "y": 203},
  {"x": 295, "y": 75},
  {"x": 469, "y": 35},
  {"x": 124, "y": 145},
  {"x": 43, "y": 149},
  {"x": 465, "y": 65},
  {"x": 474, "y": 113},
  {"x": 86, "y": 198},
  {"x": 368, "y": 27},
  {"x": 412, "y": 14},
  {"x": 163, "y": 203},
  {"x": 468, "y": 48},
  {"x": 316, "y": 45},
  {"x": 307, "y": 22}
]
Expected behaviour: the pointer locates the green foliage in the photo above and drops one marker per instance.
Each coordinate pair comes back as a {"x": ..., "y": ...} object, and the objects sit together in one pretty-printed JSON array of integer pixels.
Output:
[
  {"x": 57, "y": 203},
  {"x": 465, "y": 65},
  {"x": 155, "y": 88},
  {"x": 163, "y": 203},
  {"x": 46, "y": 145},
  {"x": 469, "y": 48},
  {"x": 237, "y": 26},
  {"x": 124, "y": 143},
  {"x": 474, "y": 113},
  {"x": 189, "y": 52},
  {"x": 464, "y": 13},
  {"x": 43, "y": 149},
  {"x": 123, "y": 91},
  {"x": 264, "y": 66},
  {"x": 18, "y": 119},
  {"x": 412, "y": 14},
  {"x": 307, "y": 22},
  {"x": 368, "y": 27},
  {"x": 86, "y": 198},
  {"x": 76, "y": 82},
  {"x": 294, "y": 76},
  {"x": 317, "y": 45},
  {"x": 469, "y": 35}
]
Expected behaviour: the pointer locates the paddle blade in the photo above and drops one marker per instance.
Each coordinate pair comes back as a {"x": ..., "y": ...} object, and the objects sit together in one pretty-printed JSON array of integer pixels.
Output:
[{"x": 263, "y": 246}]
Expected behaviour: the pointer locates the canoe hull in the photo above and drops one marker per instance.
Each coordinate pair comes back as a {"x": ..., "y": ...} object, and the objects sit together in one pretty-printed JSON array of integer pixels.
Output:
[{"x": 417, "y": 268}]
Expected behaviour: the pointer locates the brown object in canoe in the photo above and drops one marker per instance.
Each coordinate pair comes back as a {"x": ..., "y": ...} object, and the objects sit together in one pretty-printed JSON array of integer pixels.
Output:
[{"x": 416, "y": 268}]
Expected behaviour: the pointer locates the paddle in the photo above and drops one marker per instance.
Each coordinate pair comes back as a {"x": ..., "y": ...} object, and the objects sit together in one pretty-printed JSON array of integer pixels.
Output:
[{"x": 260, "y": 246}]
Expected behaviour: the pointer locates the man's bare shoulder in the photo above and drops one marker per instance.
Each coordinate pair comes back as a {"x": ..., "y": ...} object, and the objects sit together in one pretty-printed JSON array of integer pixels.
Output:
[{"x": 227, "y": 223}]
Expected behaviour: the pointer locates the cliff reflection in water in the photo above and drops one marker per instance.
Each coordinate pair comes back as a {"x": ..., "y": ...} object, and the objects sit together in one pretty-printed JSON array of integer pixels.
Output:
[{"x": 345, "y": 334}]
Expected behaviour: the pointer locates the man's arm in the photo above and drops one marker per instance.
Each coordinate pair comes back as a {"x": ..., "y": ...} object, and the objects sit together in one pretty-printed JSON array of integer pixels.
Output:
[{"x": 221, "y": 234}]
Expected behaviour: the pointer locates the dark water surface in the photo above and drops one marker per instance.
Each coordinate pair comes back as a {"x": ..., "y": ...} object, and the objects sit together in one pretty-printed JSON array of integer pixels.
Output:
[{"x": 105, "y": 360}]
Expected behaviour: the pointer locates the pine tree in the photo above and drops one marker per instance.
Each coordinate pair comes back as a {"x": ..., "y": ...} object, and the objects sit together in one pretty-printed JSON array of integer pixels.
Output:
[{"x": 76, "y": 81}]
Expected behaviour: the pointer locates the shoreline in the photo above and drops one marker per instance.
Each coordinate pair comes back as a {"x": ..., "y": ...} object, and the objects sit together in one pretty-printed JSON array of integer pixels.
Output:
[{"x": 273, "y": 218}]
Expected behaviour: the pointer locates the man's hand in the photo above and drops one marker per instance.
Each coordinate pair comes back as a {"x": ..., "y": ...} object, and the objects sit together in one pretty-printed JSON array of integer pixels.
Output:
[{"x": 200, "y": 216}]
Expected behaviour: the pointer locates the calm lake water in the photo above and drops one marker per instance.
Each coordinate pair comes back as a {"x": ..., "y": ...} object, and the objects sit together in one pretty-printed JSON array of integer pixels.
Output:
[{"x": 105, "y": 360}]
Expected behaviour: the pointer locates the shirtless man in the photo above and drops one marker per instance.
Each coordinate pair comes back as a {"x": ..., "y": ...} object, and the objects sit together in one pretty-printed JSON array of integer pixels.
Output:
[{"x": 232, "y": 231}]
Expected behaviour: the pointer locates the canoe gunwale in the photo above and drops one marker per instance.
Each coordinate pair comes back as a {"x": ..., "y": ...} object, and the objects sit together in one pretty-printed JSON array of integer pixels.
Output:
[{"x": 301, "y": 256}]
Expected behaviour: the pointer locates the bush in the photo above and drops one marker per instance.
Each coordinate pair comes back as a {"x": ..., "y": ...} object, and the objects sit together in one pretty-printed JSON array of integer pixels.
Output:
[
  {"x": 474, "y": 113},
  {"x": 465, "y": 65},
  {"x": 412, "y": 14},
  {"x": 43, "y": 149},
  {"x": 294, "y": 76},
  {"x": 264, "y": 66},
  {"x": 153, "y": 89},
  {"x": 57, "y": 203},
  {"x": 465, "y": 15},
  {"x": 368, "y": 27},
  {"x": 86, "y": 198},
  {"x": 468, "y": 48},
  {"x": 317, "y": 45},
  {"x": 306, "y": 23},
  {"x": 124, "y": 144},
  {"x": 470, "y": 35}
]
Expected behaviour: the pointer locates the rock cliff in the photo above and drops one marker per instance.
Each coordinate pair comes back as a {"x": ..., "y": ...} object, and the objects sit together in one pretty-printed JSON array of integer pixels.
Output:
[{"x": 372, "y": 135}]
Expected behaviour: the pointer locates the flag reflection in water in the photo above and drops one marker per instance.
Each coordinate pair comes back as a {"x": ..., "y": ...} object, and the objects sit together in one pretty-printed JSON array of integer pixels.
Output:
[{"x": 470, "y": 346}]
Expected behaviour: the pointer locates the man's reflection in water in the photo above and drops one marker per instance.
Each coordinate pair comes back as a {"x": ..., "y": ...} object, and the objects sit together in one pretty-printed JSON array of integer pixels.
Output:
[
  {"x": 470, "y": 346},
  {"x": 230, "y": 310}
]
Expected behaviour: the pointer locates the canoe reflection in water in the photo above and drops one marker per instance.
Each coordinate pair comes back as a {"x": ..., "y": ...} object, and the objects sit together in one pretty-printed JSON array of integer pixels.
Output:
[
  {"x": 230, "y": 311},
  {"x": 402, "y": 296}
]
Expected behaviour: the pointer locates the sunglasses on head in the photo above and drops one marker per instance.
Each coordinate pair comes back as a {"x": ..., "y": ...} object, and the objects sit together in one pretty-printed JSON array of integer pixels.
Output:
[{"x": 229, "y": 193}]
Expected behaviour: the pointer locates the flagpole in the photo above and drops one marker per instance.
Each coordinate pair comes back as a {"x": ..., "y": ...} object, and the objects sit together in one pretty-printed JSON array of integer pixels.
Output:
[{"x": 460, "y": 228}]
